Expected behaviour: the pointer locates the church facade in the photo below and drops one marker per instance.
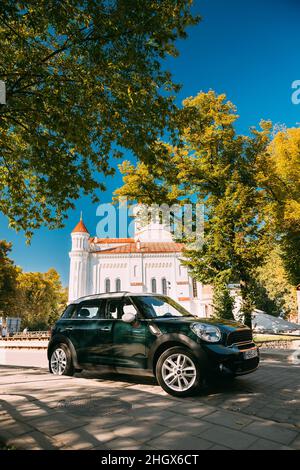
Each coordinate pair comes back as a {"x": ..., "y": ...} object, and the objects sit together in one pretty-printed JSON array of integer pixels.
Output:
[{"x": 148, "y": 262}]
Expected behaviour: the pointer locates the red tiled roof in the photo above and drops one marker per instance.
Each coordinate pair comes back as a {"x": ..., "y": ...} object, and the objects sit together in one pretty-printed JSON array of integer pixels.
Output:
[
  {"x": 80, "y": 228},
  {"x": 111, "y": 240},
  {"x": 145, "y": 247}
]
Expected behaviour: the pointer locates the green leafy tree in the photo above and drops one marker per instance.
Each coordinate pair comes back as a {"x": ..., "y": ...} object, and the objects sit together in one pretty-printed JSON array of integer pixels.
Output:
[
  {"x": 213, "y": 166},
  {"x": 41, "y": 299},
  {"x": 8, "y": 279},
  {"x": 250, "y": 186},
  {"x": 83, "y": 80},
  {"x": 223, "y": 300},
  {"x": 278, "y": 172},
  {"x": 274, "y": 293}
]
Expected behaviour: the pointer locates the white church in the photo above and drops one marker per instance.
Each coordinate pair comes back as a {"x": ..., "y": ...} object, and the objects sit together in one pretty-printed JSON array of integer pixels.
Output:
[{"x": 148, "y": 262}]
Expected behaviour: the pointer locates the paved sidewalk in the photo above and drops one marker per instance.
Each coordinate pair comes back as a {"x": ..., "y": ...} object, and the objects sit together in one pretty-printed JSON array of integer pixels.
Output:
[
  {"x": 92, "y": 411},
  {"x": 24, "y": 358}
]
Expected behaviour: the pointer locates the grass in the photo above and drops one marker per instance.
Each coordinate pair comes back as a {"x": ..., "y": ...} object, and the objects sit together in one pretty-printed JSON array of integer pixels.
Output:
[{"x": 266, "y": 338}]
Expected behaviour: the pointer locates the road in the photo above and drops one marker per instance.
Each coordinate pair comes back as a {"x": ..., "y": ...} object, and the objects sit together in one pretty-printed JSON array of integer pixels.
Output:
[{"x": 91, "y": 410}]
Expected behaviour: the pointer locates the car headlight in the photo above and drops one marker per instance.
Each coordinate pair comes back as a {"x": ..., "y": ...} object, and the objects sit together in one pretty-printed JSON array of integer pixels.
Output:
[{"x": 209, "y": 333}]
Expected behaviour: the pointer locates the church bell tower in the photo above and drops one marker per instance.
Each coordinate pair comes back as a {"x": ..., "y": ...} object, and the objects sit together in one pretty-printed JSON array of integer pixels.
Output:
[{"x": 79, "y": 259}]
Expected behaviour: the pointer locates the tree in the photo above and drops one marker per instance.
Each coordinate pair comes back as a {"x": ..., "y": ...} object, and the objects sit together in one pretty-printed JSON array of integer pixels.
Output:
[
  {"x": 83, "y": 80},
  {"x": 38, "y": 298},
  {"x": 41, "y": 299},
  {"x": 274, "y": 293},
  {"x": 278, "y": 172},
  {"x": 8, "y": 278},
  {"x": 215, "y": 166},
  {"x": 223, "y": 300}
]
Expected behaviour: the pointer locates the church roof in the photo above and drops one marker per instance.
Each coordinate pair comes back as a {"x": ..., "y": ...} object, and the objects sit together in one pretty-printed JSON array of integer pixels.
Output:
[
  {"x": 144, "y": 247},
  {"x": 80, "y": 228},
  {"x": 107, "y": 241}
]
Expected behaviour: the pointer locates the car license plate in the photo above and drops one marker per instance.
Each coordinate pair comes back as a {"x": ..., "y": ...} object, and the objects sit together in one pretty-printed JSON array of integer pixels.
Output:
[{"x": 250, "y": 354}]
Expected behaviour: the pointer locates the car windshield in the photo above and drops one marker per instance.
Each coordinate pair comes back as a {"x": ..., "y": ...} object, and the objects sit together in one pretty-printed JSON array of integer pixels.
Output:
[{"x": 159, "y": 307}]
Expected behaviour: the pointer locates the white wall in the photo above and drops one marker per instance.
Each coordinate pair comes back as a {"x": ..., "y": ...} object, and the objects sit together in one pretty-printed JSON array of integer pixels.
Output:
[{"x": 89, "y": 270}]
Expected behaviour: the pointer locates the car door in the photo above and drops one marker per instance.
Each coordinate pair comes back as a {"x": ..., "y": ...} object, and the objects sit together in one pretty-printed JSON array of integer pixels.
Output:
[
  {"x": 129, "y": 339},
  {"x": 91, "y": 333}
]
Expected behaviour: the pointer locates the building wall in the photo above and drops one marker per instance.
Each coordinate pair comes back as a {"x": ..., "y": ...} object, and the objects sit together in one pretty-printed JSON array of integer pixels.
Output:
[{"x": 89, "y": 271}]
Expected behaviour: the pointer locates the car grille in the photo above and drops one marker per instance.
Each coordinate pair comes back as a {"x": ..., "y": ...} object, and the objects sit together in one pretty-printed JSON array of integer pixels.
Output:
[{"x": 239, "y": 336}]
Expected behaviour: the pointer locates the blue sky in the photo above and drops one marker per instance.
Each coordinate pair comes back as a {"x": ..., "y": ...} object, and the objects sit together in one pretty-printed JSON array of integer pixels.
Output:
[{"x": 246, "y": 49}]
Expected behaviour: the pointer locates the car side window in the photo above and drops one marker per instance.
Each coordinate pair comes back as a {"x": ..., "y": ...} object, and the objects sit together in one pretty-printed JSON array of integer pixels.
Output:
[
  {"x": 114, "y": 308},
  {"x": 68, "y": 312},
  {"x": 88, "y": 311},
  {"x": 127, "y": 302}
]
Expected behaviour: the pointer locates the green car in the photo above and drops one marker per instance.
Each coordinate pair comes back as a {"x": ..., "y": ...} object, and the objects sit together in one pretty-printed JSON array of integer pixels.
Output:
[{"x": 149, "y": 334}]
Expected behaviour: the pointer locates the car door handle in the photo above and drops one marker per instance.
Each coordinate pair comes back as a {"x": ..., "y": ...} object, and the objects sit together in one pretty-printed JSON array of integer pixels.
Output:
[
  {"x": 69, "y": 328},
  {"x": 105, "y": 328}
]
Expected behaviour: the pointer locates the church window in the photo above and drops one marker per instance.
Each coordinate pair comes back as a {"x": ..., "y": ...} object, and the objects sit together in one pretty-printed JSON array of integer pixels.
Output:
[
  {"x": 118, "y": 285},
  {"x": 153, "y": 286},
  {"x": 164, "y": 286},
  {"x": 107, "y": 285}
]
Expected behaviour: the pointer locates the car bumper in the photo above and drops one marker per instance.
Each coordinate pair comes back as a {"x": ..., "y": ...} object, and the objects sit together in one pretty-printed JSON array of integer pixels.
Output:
[{"x": 232, "y": 360}]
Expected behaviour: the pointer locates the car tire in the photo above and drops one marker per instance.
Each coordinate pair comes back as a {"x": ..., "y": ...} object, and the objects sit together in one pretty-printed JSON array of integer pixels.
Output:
[
  {"x": 178, "y": 372},
  {"x": 60, "y": 362}
]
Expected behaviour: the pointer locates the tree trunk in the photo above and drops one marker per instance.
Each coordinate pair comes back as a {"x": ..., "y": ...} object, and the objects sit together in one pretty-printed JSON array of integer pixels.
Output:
[{"x": 247, "y": 303}]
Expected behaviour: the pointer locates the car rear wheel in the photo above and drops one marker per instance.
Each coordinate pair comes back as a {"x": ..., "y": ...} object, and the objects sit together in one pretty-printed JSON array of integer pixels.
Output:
[
  {"x": 60, "y": 362},
  {"x": 178, "y": 372}
]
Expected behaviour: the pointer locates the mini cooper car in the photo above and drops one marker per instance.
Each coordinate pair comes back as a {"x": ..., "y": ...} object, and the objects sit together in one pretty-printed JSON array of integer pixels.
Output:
[{"x": 149, "y": 334}]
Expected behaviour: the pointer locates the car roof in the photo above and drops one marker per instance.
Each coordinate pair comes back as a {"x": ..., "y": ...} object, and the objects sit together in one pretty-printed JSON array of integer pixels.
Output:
[{"x": 110, "y": 295}]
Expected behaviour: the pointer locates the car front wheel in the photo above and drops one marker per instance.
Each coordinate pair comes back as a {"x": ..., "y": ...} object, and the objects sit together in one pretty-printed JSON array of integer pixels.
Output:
[
  {"x": 178, "y": 372},
  {"x": 60, "y": 362}
]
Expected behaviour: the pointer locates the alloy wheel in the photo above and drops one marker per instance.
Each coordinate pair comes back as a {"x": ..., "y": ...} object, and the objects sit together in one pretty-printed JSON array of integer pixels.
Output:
[
  {"x": 179, "y": 372},
  {"x": 58, "y": 361}
]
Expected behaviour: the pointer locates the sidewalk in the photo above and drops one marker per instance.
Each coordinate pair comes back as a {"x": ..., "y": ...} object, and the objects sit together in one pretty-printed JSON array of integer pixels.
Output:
[
  {"x": 289, "y": 356},
  {"x": 42, "y": 411},
  {"x": 24, "y": 357}
]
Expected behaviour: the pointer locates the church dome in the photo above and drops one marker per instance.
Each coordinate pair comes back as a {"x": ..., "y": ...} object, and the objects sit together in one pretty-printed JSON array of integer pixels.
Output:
[{"x": 80, "y": 228}]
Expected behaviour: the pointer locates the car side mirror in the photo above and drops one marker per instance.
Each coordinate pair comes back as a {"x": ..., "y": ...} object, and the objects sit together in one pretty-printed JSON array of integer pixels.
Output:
[{"x": 129, "y": 317}]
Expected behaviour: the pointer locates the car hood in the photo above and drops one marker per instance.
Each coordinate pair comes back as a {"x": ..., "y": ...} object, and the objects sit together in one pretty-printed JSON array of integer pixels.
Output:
[{"x": 227, "y": 325}]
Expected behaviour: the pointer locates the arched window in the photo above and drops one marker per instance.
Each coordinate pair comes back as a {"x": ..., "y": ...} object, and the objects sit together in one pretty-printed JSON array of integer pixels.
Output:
[
  {"x": 195, "y": 288},
  {"x": 153, "y": 286},
  {"x": 107, "y": 285},
  {"x": 118, "y": 285},
  {"x": 164, "y": 286},
  {"x": 135, "y": 270}
]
